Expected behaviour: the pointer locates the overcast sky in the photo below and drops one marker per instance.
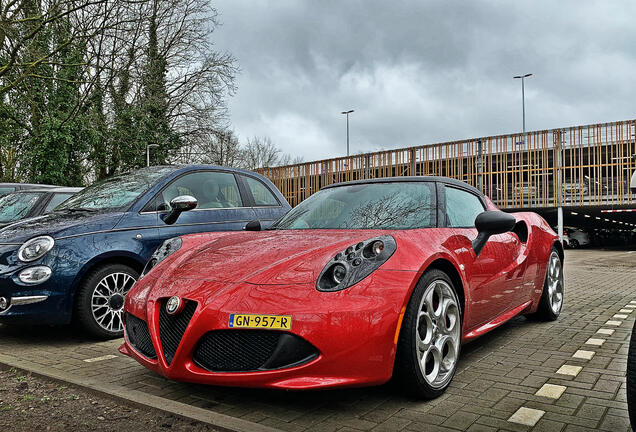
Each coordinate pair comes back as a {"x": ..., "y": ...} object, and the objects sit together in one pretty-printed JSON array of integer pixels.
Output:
[{"x": 419, "y": 72}]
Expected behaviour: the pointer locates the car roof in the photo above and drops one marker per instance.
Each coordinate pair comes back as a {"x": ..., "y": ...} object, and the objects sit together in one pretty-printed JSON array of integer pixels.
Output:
[
  {"x": 29, "y": 185},
  {"x": 185, "y": 167},
  {"x": 55, "y": 189},
  {"x": 439, "y": 179}
]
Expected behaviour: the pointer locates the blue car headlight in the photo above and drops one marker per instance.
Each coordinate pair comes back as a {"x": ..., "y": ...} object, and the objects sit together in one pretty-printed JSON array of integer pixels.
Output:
[
  {"x": 167, "y": 248},
  {"x": 355, "y": 263},
  {"x": 35, "y": 248}
]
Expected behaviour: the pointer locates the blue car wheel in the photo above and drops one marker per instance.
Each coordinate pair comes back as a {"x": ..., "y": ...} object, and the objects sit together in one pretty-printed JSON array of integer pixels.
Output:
[{"x": 100, "y": 301}]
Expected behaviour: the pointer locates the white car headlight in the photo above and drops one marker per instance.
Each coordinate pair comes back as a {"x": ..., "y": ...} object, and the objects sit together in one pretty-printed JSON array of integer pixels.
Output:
[{"x": 35, "y": 248}]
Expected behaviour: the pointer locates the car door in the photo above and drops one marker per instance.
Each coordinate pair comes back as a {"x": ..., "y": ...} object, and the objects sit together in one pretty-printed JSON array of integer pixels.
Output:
[
  {"x": 267, "y": 208},
  {"x": 220, "y": 204},
  {"x": 491, "y": 291}
]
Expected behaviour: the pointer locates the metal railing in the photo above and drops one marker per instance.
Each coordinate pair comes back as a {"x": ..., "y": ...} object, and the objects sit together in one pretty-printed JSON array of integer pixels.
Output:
[{"x": 573, "y": 166}]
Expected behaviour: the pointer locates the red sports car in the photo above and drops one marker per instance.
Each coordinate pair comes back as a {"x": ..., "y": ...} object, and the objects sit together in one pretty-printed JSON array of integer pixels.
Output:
[{"x": 361, "y": 282}]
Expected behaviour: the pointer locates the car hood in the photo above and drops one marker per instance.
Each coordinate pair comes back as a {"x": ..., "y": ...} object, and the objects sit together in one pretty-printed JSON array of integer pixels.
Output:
[
  {"x": 58, "y": 224},
  {"x": 263, "y": 258}
]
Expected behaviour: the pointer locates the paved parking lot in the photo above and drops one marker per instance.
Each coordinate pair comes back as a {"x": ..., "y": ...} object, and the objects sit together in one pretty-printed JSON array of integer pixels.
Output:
[{"x": 567, "y": 375}]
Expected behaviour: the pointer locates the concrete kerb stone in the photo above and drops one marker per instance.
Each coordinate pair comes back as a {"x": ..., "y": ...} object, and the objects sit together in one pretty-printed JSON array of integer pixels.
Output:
[{"x": 138, "y": 398}]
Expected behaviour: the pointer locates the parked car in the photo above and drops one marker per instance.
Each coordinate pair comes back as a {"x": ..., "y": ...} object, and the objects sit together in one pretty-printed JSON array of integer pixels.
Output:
[
  {"x": 32, "y": 202},
  {"x": 524, "y": 188},
  {"x": 80, "y": 260},
  {"x": 7, "y": 188},
  {"x": 360, "y": 280},
  {"x": 575, "y": 188},
  {"x": 575, "y": 238}
]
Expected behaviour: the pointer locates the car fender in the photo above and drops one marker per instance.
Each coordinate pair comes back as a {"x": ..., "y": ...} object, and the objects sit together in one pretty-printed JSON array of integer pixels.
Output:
[
  {"x": 439, "y": 257},
  {"x": 95, "y": 253}
]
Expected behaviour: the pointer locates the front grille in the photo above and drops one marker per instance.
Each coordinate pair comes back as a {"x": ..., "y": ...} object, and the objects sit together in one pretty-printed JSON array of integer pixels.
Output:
[
  {"x": 251, "y": 350},
  {"x": 139, "y": 336},
  {"x": 172, "y": 327}
]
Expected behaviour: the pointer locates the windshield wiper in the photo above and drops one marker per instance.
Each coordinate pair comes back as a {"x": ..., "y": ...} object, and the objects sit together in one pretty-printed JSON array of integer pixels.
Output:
[{"x": 79, "y": 209}]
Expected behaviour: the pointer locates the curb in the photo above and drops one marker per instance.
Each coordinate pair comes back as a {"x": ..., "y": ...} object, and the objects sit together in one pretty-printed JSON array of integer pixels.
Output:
[{"x": 138, "y": 398}]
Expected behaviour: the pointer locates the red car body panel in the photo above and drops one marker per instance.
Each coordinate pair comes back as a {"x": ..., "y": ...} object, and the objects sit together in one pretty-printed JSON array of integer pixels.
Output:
[{"x": 354, "y": 330}]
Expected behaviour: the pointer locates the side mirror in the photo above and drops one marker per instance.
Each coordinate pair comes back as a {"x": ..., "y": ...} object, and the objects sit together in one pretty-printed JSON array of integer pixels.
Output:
[
  {"x": 180, "y": 204},
  {"x": 253, "y": 226},
  {"x": 490, "y": 223}
]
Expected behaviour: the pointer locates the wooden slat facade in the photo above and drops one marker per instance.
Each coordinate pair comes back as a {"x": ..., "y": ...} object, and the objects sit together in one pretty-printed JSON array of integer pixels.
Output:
[{"x": 575, "y": 166}]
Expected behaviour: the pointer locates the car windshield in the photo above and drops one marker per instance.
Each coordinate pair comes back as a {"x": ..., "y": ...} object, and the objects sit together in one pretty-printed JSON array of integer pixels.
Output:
[
  {"x": 115, "y": 193},
  {"x": 16, "y": 206},
  {"x": 391, "y": 205}
]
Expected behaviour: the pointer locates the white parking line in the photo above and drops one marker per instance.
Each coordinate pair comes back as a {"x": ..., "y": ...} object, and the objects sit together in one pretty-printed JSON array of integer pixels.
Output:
[
  {"x": 626, "y": 311},
  {"x": 102, "y": 358},
  {"x": 526, "y": 416},
  {"x": 594, "y": 341},
  {"x": 551, "y": 391},
  {"x": 569, "y": 370},
  {"x": 614, "y": 323},
  {"x": 607, "y": 332},
  {"x": 620, "y": 316},
  {"x": 585, "y": 355}
]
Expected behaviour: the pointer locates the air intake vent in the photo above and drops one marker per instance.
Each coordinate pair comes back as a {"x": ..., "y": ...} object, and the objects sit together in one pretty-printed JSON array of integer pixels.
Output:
[
  {"x": 139, "y": 336},
  {"x": 251, "y": 350},
  {"x": 172, "y": 327}
]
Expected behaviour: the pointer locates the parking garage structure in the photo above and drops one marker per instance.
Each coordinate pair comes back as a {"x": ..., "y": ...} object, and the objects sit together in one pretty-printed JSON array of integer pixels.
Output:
[{"x": 564, "y": 174}]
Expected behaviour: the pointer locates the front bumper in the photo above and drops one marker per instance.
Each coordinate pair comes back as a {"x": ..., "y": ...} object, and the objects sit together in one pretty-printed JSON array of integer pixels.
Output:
[
  {"x": 353, "y": 331},
  {"x": 49, "y": 302}
]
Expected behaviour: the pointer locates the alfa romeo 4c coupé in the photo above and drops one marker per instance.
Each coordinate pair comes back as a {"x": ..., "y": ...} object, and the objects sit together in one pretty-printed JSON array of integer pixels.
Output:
[{"x": 361, "y": 282}]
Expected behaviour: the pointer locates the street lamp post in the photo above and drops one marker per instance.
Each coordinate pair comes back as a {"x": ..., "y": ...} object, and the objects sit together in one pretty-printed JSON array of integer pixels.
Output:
[
  {"x": 148, "y": 152},
  {"x": 347, "y": 114},
  {"x": 523, "y": 102}
]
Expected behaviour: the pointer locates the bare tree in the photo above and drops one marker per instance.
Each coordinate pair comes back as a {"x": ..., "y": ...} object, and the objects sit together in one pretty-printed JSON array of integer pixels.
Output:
[
  {"x": 260, "y": 152},
  {"x": 221, "y": 148}
]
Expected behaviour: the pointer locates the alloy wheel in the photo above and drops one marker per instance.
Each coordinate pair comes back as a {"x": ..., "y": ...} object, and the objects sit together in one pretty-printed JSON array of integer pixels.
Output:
[
  {"x": 555, "y": 283},
  {"x": 107, "y": 301},
  {"x": 438, "y": 333}
]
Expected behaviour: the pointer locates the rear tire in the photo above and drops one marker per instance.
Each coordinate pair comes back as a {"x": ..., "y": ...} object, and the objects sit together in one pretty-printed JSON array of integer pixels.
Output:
[
  {"x": 551, "y": 302},
  {"x": 631, "y": 378},
  {"x": 430, "y": 338},
  {"x": 100, "y": 300},
  {"x": 574, "y": 244}
]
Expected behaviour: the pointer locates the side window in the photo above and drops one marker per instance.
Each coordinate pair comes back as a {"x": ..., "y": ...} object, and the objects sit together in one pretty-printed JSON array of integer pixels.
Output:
[
  {"x": 211, "y": 189},
  {"x": 56, "y": 200},
  {"x": 461, "y": 208},
  {"x": 262, "y": 195}
]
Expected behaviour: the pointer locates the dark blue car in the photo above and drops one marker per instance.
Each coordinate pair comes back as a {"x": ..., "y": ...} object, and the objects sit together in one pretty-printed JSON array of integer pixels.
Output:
[{"x": 79, "y": 261}]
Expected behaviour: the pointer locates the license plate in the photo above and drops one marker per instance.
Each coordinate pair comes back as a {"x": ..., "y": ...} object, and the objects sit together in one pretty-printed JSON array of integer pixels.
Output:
[{"x": 277, "y": 322}]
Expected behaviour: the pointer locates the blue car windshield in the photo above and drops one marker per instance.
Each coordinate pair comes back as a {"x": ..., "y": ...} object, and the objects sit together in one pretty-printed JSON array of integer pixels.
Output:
[
  {"x": 115, "y": 193},
  {"x": 391, "y": 205},
  {"x": 16, "y": 206}
]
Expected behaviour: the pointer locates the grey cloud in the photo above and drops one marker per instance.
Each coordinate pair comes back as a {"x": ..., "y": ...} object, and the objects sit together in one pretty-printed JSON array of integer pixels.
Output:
[{"x": 418, "y": 72}]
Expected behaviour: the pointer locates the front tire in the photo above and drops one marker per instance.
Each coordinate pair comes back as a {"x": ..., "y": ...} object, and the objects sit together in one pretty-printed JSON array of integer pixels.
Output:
[
  {"x": 551, "y": 302},
  {"x": 100, "y": 300},
  {"x": 430, "y": 337}
]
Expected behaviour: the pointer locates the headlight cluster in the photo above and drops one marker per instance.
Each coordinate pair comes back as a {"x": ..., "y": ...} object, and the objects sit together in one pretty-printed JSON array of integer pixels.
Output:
[
  {"x": 355, "y": 263},
  {"x": 167, "y": 248},
  {"x": 35, "y": 248}
]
